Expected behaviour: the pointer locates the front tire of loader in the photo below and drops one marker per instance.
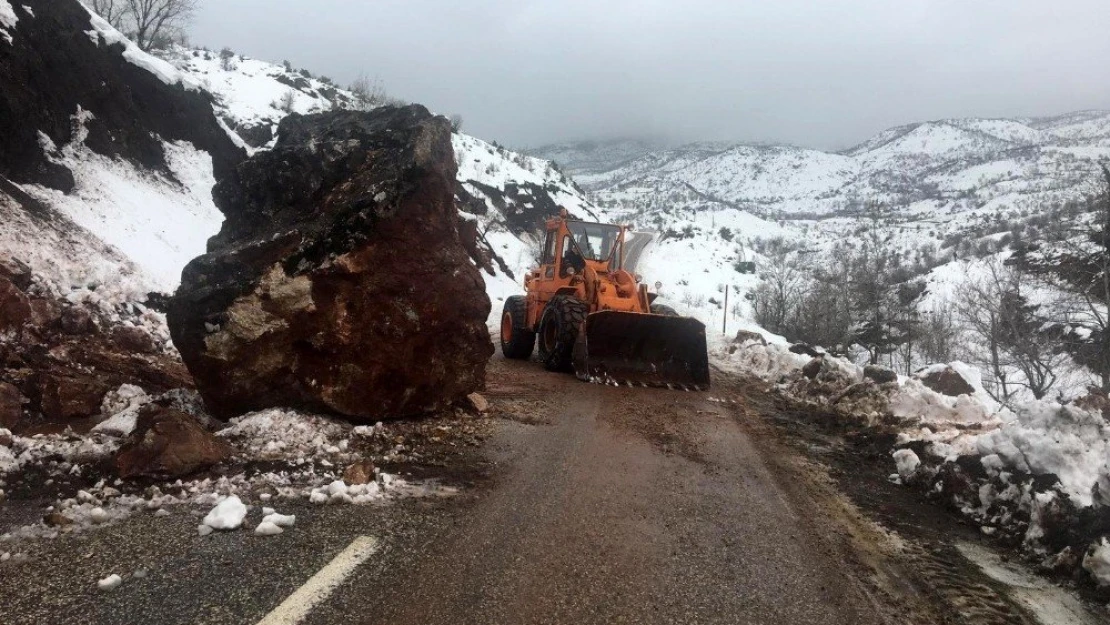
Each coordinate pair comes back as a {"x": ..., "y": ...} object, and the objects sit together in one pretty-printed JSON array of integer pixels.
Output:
[
  {"x": 559, "y": 326},
  {"x": 666, "y": 311},
  {"x": 517, "y": 339}
]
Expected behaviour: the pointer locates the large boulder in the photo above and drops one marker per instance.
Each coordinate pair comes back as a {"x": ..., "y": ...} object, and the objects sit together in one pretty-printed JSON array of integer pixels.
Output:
[
  {"x": 338, "y": 282},
  {"x": 168, "y": 443}
]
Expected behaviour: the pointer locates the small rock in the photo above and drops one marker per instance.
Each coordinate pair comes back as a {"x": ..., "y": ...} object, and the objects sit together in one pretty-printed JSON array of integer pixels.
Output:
[
  {"x": 806, "y": 350},
  {"x": 267, "y": 512},
  {"x": 946, "y": 381},
  {"x": 479, "y": 403},
  {"x": 361, "y": 472},
  {"x": 98, "y": 515},
  {"x": 110, "y": 583},
  {"x": 813, "y": 367},
  {"x": 204, "y": 530},
  {"x": 77, "y": 320},
  {"x": 881, "y": 375},
  {"x": 57, "y": 519},
  {"x": 168, "y": 443}
]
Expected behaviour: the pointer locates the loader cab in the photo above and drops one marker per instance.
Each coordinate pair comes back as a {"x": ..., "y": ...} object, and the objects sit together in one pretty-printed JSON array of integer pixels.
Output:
[{"x": 569, "y": 248}]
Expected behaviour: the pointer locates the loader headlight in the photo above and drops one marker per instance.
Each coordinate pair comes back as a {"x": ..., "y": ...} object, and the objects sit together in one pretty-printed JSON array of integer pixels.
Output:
[
  {"x": 639, "y": 278},
  {"x": 571, "y": 271},
  {"x": 658, "y": 285}
]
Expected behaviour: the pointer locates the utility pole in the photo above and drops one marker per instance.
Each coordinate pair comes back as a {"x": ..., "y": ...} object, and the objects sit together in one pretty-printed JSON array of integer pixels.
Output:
[{"x": 724, "y": 317}]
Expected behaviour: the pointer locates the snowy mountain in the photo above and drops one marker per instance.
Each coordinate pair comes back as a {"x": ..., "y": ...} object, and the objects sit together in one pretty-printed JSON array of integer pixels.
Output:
[{"x": 946, "y": 188}]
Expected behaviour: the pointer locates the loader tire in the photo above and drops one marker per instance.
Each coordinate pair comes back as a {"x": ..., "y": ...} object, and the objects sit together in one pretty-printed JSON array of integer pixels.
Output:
[
  {"x": 666, "y": 311},
  {"x": 562, "y": 319},
  {"x": 517, "y": 339}
]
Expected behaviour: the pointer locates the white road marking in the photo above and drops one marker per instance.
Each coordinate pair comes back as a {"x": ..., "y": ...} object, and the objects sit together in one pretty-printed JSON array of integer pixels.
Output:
[{"x": 297, "y": 606}]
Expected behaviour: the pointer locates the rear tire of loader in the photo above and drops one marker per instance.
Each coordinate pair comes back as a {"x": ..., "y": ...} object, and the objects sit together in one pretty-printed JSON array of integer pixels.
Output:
[
  {"x": 562, "y": 319},
  {"x": 666, "y": 311},
  {"x": 517, "y": 339}
]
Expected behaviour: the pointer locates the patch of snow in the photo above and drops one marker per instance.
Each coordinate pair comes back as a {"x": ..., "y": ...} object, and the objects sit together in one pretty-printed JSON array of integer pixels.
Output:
[
  {"x": 281, "y": 520},
  {"x": 1097, "y": 561},
  {"x": 162, "y": 70},
  {"x": 907, "y": 462},
  {"x": 112, "y": 581},
  {"x": 158, "y": 224},
  {"x": 267, "y": 528},
  {"x": 8, "y": 20}
]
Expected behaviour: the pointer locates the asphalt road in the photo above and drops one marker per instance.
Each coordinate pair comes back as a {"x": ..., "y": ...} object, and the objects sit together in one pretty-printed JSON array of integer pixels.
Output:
[{"x": 588, "y": 504}]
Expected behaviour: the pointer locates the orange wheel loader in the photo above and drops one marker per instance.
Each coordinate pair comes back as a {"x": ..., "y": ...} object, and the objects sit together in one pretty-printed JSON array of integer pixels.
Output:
[{"x": 587, "y": 314}]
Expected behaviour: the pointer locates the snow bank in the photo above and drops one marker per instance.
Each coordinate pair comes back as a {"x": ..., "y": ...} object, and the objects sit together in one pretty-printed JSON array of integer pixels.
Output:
[{"x": 1042, "y": 437}]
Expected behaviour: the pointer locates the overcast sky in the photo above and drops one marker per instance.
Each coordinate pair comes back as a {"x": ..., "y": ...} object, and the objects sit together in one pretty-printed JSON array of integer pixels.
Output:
[{"x": 816, "y": 73}]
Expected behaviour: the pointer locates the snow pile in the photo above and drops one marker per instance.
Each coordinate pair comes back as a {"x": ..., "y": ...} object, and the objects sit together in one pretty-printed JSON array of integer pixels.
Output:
[
  {"x": 278, "y": 433},
  {"x": 227, "y": 515},
  {"x": 1043, "y": 437},
  {"x": 915, "y": 401},
  {"x": 339, "y": 491},
  {"x": 123, "y": 405}
]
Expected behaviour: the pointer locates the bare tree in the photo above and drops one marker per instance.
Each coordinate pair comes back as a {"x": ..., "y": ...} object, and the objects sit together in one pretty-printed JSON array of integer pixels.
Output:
[
  {"x": 369, "y": 91},
  {"x": 939, "y": 334},
  {"x": 1019, "y": 352},
  {"x": 287, "y": 101},
  {"x": 149, "y": 23},
  {"x": 456, "y": 122},
  {"x": 157, "y": 21},
  {"x": 115, "y": 12},
  {"x": 776, "y": 298}
]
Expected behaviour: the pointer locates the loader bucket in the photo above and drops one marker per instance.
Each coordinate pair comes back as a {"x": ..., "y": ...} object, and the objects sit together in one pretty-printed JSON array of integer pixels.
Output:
[{"x": 642, "y": 349}]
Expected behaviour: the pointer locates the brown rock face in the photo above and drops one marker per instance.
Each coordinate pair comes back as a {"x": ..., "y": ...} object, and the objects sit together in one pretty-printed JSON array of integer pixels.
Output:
[
  {"x": 11, "y": 405},
  {"x": 168, "y": 443},
  {"x": 947, "y": 382},
  {"x": 15, "y": 308},
  {"x": 70, "y": 396},
  {"x": 338, "y": 282}
]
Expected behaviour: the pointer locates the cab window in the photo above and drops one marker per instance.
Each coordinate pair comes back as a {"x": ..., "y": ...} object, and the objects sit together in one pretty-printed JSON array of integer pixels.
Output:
[{"x": 549, "y": 249}]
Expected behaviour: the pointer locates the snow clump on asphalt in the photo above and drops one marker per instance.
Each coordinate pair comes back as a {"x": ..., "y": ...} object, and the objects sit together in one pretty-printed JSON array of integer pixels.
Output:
[
  {"x": 110, "y": 583},
  {"x": 227, "y": 515}
]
